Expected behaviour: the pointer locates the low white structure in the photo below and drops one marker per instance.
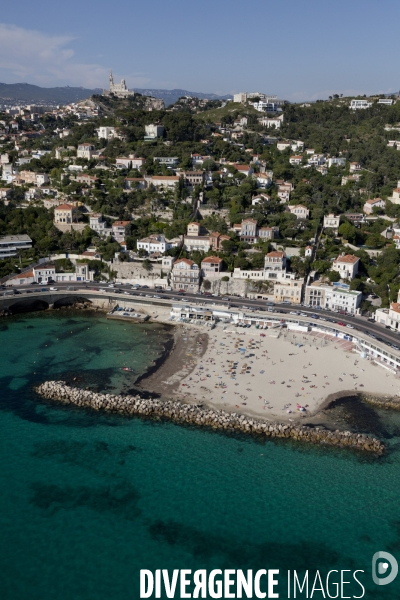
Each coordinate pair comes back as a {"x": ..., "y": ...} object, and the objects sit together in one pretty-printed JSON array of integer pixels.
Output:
[
  {"x": 373, "y": 203},
  {"x": 155, "y": 243},
  {"x": 337, "y": 162},
  {"x": 153, "y": 131},
  {"x": 357, "y": 104}
]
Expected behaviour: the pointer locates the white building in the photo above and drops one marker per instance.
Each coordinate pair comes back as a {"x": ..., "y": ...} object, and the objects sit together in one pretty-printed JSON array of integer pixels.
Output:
[
  {"x": 85, "y": 150},
  {"x": 373, "y": 203},
  {"x": 98, "y": 225},
  {"x": 10, "y": 245},
  {"x": 357, "y": 104},
  {"x": 295, "y": 160},
  {"x": 155, "y": 243},
  {"x": 300, "y": 211},
  {"x": 153, "y": 131},
  {"x": 331, "y": 221},
  {"x": 107, "y": 133},
  {"x": 336, "y": 298},
  {"x": 337, "y": 162},
  {"x": 346, "y": 265}
]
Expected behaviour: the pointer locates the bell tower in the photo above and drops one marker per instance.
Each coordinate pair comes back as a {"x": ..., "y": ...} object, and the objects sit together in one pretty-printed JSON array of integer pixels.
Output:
[{"x": 111, "y": 80}]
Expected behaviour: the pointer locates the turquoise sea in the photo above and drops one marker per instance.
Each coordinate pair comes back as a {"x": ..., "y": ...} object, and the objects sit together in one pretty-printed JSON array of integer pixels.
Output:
[{"x": 88, "y": 499}]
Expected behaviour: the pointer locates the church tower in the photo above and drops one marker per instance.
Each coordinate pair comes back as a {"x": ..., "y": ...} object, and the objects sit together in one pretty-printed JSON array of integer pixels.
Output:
[{"x": 111, "y": 80}]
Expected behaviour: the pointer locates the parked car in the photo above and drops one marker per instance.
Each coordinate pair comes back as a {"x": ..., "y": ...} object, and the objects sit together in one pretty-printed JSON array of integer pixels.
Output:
[
  {"x": 53, "y": 289},
  {"x": 350, "y": 326},
  {"x": 342, "y": 324}
]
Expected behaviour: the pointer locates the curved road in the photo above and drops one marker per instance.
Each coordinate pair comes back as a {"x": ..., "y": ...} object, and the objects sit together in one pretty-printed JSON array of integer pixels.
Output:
[{"x": 374, "y": 330}]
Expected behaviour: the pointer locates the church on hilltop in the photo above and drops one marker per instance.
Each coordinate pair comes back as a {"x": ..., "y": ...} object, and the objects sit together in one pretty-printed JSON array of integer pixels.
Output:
[{"x": 118, "y": 89}]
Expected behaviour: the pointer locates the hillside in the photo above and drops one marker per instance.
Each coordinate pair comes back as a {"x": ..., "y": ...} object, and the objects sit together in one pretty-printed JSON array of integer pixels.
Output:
[
  {"x": 171, "y": 96},
  {"x": 25, "y": 92},
  {"x": 216, "y": 114}
]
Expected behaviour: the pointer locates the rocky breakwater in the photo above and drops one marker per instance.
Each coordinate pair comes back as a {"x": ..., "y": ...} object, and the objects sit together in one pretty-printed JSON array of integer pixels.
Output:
[{"x": 197, "y": 414}]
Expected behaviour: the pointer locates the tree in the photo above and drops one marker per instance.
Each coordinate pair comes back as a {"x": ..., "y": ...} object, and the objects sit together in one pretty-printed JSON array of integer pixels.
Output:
[
  {"x": 207, "y": 285},
  {"x": 147, "y": 265},
  {"x": 348, "y": 232},
  {"x": 333, "y": 276}
]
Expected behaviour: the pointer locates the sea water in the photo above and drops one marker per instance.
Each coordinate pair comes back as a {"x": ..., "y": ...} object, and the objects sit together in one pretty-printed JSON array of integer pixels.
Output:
[{"x": 89, "y": 499}]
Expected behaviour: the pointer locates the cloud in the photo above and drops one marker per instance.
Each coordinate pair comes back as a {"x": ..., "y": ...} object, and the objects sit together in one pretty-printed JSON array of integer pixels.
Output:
[{"x": 34, "y": 57}]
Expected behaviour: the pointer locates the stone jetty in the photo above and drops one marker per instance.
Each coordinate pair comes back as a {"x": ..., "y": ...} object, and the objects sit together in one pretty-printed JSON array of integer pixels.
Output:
[{"x": 197, "y": 414}]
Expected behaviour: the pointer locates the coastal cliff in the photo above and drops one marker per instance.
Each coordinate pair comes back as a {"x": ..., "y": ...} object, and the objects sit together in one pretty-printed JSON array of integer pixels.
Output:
[{"x": 200, "y": 416}]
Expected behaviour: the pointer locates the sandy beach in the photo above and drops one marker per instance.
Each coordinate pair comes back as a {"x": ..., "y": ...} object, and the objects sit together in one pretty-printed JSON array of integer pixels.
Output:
[{"x": 283, "y": 376}]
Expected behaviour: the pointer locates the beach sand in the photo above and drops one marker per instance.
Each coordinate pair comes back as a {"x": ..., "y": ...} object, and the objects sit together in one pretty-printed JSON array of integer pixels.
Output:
[{"x": 263, "y": 373}]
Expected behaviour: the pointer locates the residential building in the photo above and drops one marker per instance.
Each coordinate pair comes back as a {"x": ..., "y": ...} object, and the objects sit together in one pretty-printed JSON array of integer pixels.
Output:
[
  {"x": 153, "y": 131},
  {"x": 387, "y": 101},
  {"x": 354, "y": 167},
  {"x": 284, "y": 192},
  {"x": 64, "y": 213},
  {"x": 211, "y": 265},
  {"x": 260, "y": 199},
  {"x": 346, "y": 265},
  {"x": 123, "y": 162},
  {"x": 199, "y": 242},
  {"x": 263, "y": 180},
  {"x": 98, "y": 225},
  {"x": 288, "y": 291},
  {"x": 155, "y": 242},
  {"x": 337, "y": 298},
  {"x": 89, "y": 180},
  {"x": 283, "y": 146},
  {"x": 275, "y": 263},
  {"x": 357, "y": 104},
  {"x": 163, "y": 181},
  {"x": 295, "y": 160},
  {"x": 5, "y": 192},
  {"x": 118, "y": 230},
  {"x": 168, "y": 161},
  {"x": 331, "y": 221},
  {"x": 216, "y": 240},
  {"x": 371, "y": 204},
  {"x": 137, "y": 163},
  {"x": 336, "y": 162},
  {"x": 107, "y": 133},
  {"x": 132, "y": 183},
  {"x": 248, "y": 232},
  {"x": 32, "y": 177},
  {"x": 351, "y": 178},
  {"x": 10, "y": 245},
  {"x": 271, "y": 121},
  {"x": 245, "y": 169},
  {"x": 185, "y": 275},
  {"x": 308, "y": 251},
  {"x": 193, "y": 229},
  {"x": 268, "y": 233},
  {"x": 85, "y": 150},
  {"x": 300, "y": 211},
  {"x": 317, "y": 160},
  {"x": 193, "y": 178},
  {"x": 395, "y": 198}
]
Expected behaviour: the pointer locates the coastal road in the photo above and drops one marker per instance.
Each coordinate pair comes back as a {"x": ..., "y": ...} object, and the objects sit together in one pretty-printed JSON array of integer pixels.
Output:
[{"x": 374, "y": 330}]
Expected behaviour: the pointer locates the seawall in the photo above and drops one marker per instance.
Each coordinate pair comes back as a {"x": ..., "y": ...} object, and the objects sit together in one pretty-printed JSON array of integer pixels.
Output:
[{"x": 200, "y": 416}]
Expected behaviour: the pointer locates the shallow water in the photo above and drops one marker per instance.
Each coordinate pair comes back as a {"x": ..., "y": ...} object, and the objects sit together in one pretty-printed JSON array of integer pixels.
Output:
[{"x": 88, "y": 499}]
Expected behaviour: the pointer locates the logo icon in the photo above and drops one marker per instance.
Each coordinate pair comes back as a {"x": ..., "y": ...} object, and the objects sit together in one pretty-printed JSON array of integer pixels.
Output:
[{"x": 381, "y": 561}]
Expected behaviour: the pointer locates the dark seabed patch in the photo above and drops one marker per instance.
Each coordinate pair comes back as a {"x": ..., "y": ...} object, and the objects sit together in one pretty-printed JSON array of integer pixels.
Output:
[{"x": 121, "y": 500}]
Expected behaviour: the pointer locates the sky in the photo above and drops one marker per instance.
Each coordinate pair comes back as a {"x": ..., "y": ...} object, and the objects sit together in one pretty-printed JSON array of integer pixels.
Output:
[{"x": 296, "y": 49}]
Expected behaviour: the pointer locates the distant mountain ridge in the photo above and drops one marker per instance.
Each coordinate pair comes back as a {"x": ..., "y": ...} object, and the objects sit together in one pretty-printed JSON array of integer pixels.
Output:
[{"x": 26, "y": 92}]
